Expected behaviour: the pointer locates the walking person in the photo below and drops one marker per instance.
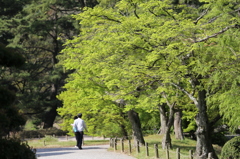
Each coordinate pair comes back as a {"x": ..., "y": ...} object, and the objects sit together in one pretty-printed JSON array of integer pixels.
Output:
[
  {"x": 74, "y": 129},
  {"x": 80, "y": 126}
]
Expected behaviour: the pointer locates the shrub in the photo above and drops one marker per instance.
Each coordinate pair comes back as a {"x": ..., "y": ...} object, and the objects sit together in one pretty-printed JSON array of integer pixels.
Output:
[
  {"x": 41, "y": 133},
  {"x": 231, "y": 150},
  {"x": 14, "y": 148},
  {"x": 52, "y": 131},
  {"x": 30, "y": 134},
  {"x": 219, "y": 138}
]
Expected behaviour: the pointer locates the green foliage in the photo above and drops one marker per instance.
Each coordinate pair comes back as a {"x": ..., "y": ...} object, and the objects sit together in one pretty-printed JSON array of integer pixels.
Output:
[
  {"x": 231, "y": 149},
  {"x": 110, "y": 130},
  {"x": 10, "y": 58},
  {"x": 11, "y": 7},
  {"x": 107, "y": 3},
  {"x": 100, "y": 115},
  {"x": 191, "y": 127},
  {"x": 149, "y": 46},
  {"x": 151, "y": 122},
  {"x": 153, "y": 52},
  {"x": 6, "y": 97},
  {"x": 10, "y": 118},
  {"x": 219, "y": 138},
  {"x": 37, "y": 31},
  {"x": 13, "y": 148}
]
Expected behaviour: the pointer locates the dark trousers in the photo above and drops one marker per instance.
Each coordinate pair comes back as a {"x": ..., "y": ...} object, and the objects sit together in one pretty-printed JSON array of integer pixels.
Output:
[{"x": 79, "y": 137}]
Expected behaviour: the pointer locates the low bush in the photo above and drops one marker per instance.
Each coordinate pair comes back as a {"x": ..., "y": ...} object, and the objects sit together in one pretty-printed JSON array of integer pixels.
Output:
[
  {"x": 219, "y": 138},
  {"x": 41, "y": 133},
  {"x": 53, "y": 131},
  {"x": 14, "y": 148},
  {"x": 231, "y": 150},
  {"x": 30, "y": 134}
]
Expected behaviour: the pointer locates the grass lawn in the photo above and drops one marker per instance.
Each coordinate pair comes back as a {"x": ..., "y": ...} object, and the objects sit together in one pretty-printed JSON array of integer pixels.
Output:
[{"x": 52, "y": 142}]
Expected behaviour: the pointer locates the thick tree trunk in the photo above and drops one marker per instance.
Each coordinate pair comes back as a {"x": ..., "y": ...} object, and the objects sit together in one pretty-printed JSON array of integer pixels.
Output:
[
  {"x": 178, "y": 125},
  {"x": 50, "y": 116},
  {"x": 204, "y": 144},
  {"x": 163, "y": 118},
  {"x": 136, "y": 126}
]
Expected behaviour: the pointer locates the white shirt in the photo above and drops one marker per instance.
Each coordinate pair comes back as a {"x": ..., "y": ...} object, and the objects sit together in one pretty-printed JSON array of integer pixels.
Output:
[{"x": 79, "y": 124}]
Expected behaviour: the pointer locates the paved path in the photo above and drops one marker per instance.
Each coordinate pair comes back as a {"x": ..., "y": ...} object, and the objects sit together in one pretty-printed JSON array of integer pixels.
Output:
[{"x": 88, "y": 152}]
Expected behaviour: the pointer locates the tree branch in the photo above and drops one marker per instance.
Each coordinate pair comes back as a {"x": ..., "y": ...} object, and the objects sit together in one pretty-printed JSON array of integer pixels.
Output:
[
  {"x": 135, "y": 9},
  {"x": 135, "y": 13},
  {"x": 218, "y": 33},
  {"x": 201, "y": 16},
  {"x": 152, "y": 12},
  {"x": 41, "y": 48},
  {"x": 106, "y": 17},
  {"x": 187, "y": 93},
  {"x": 167, "y": 101},
  {"x": 169, "y": 14},
  {"x": 214, "y": 18}
]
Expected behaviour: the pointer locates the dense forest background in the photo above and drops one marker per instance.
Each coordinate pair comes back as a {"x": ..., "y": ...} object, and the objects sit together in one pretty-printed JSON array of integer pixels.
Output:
[{"x": 131, "y": 67}]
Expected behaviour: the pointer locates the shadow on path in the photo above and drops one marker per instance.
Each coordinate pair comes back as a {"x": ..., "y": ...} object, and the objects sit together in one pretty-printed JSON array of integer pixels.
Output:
[
  {"x": 69, "y": 148},
  {"x": 63, "y": 151},
  {"x": 53, "y": 154},
  {"x": 88, "y": 152}
]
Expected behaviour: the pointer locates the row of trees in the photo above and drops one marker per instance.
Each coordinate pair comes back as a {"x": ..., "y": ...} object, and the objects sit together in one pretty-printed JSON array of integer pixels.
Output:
[{"x": 141, "y": 57}]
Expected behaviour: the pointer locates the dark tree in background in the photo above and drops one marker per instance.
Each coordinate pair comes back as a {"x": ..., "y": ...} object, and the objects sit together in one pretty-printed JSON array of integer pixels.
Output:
[
  {"x": 38, "y": 32},
  {"x": 10, "y": 118}
]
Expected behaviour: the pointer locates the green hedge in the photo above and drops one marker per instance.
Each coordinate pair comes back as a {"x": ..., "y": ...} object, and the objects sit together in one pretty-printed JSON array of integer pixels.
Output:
[{"x": 231, "y": 150}]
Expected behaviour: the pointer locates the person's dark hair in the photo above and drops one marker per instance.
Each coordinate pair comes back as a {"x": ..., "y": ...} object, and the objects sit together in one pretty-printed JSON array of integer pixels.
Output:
[
  {"x": 79, "y": 115},
  {"x": 75, "y": 117}
]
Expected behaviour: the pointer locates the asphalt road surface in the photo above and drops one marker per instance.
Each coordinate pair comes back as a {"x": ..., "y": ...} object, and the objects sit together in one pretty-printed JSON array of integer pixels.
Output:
[{"x": 88, "y": 152}]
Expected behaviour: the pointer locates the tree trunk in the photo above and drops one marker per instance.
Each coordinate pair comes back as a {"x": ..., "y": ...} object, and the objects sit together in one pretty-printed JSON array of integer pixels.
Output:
[
  {"x": 178, "y": 125},
  {"x": 163, "y": 118},
  {"x": 136, "y": 126},
  {"x": 166, "y": 141},
  {"x": 121, "y": 103},
  {"x": 50, "y": 116},
  {"x": 204, "y": 144}
]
